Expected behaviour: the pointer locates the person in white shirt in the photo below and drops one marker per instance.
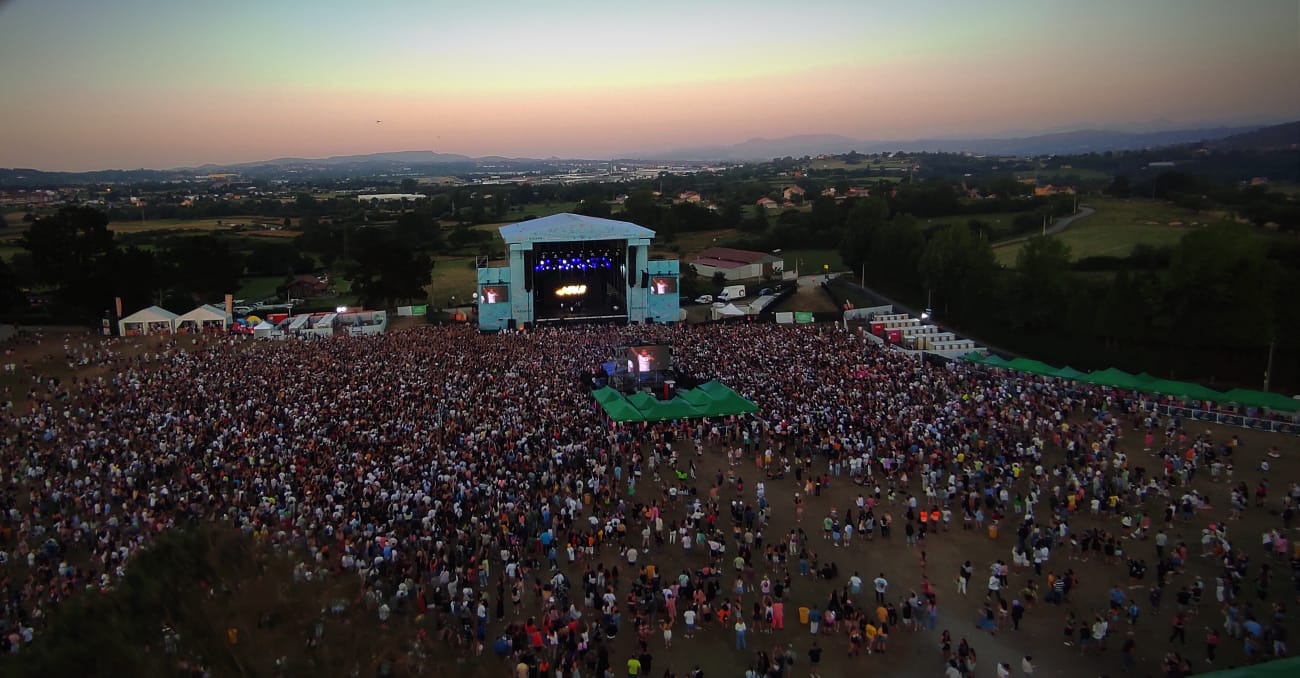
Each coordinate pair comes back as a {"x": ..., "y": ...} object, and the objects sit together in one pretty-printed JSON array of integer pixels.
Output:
[{"x": 1027, "y": 665}]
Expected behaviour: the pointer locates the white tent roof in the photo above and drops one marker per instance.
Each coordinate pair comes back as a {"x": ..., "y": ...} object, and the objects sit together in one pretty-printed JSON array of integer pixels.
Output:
[
  {"x": 204, "y": 313},
  {"x": 153, "y": 314},
  {"x": 264, "y": 326},
  {"x": 730, "y": 309}
]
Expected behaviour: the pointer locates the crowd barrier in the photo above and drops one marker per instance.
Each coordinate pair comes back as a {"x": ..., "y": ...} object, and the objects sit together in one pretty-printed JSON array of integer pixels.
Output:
[{"x": 1225, "y": 418}]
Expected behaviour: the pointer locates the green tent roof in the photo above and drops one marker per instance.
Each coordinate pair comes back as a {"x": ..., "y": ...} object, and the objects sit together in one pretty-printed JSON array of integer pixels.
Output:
[
  {"x": 1181, "y": 389},
  {"x": 974, "y": 357},
  {"x": 676, "y": 408},
  {"x": 709, "y": 400},
  {"x": 995, "y": 360},
  {"x": 606, "y": 394},
  {"x": 1279, "y": 668},
  {"x": 696, "y": 397},
  {"x": 622, "y": 410},
  {"x": 1272, "y": 401},
  {"x": 1030, "y": 366},
  {"x": 1112, "y": 377},
  {"x": 1068, "y": 372}
]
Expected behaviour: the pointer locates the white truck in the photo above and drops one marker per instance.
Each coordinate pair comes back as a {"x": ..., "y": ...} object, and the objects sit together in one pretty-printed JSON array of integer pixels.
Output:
[{"x": 732, "y": 293}]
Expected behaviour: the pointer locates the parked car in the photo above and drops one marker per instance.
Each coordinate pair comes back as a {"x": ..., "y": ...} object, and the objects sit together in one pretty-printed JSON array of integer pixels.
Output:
[{"x": 704, "y": 299}]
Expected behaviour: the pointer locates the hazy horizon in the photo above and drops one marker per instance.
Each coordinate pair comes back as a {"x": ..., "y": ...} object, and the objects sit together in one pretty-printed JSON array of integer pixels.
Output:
[{"x": 147, "y": 83}]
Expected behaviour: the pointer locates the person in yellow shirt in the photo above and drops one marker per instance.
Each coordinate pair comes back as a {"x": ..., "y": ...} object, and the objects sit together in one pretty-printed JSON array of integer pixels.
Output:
[{"x": 869, "y": 635}]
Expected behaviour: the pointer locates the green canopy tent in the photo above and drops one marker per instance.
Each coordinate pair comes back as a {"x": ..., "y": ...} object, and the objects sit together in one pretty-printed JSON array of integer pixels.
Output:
[
  {"x": 606, "y": 394},
  {"x": 621, "y": 410},
  {"x": 1031, "y": 366},
  {"x": 1264, "y": 399},
  {"x": 642, "y": 401},
  {"x": 1181, "y": 389},
  {"x": 1113, "y": 377},
  {"x": 1070, "y": 373},
  {"x": 974, "y": 357},
  {"x": 664, "y": 410},
  {"x": 696, "y": 397},
  {"x": 995, "y": 360},
  {"x": 725, "y": 401},
  {"x": 1278, "y": 668}
]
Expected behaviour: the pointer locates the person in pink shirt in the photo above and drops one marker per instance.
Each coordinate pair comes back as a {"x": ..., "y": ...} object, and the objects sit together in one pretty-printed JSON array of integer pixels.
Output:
[{"x": 778, "y": 615}]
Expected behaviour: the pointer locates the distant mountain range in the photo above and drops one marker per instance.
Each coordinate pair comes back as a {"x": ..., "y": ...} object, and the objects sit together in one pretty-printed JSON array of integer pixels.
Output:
[
  {"x": 416, "y": 163},
  {"x": 1059, "y": 143}
]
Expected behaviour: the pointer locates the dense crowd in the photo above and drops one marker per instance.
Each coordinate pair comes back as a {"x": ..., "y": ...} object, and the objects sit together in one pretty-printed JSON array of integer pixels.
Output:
[{"x": 473, "y": 478}]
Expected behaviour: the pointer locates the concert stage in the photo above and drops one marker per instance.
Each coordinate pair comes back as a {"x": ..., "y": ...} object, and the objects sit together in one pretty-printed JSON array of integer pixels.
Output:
[{"x": 574, "y": 268}]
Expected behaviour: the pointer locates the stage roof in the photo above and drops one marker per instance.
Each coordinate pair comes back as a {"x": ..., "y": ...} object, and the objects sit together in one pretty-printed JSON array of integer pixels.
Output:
[{"x": 572, "y": 227}]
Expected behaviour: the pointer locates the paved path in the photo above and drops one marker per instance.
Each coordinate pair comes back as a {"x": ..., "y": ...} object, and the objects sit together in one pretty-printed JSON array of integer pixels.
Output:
[{"x": 1056, "y": 227}]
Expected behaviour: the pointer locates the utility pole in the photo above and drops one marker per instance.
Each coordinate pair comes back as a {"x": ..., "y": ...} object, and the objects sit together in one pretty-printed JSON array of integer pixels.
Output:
[{"x": 1268, "y": 370}]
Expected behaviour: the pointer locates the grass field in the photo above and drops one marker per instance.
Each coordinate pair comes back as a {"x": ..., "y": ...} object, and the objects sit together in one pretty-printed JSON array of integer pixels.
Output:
[
  {"x": 213, "y": 224},
  {"x": 999, "y": 222},
  {"x": 257, "y": 289},
  {"x": 1119, "y": 225},
  {"x": 453, "y": 276},
  {"x": 539, "y": 210},
  {"x": 810, "y": 262},
  {"x": 1077, "y": 174}
]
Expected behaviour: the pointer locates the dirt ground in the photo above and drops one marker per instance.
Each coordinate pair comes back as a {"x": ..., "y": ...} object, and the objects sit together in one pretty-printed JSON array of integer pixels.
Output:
[{"x": 917, "y": 653}]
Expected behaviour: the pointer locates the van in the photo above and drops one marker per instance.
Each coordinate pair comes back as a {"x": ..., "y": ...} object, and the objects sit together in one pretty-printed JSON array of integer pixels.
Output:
[{"x": 732, "y": 293}]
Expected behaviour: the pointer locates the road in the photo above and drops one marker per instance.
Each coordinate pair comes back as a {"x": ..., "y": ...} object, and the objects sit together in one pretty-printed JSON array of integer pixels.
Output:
[{"x": 1056, "y": 227}]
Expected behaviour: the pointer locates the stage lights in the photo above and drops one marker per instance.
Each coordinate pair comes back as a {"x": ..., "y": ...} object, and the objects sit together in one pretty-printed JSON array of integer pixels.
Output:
[
  {"x": 571, "y": 291},
  {"x": 574, "y": 262}
]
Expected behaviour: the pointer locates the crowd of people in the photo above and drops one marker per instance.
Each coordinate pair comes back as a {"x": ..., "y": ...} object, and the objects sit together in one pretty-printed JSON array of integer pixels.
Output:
[{"x": 472, "y": 478}]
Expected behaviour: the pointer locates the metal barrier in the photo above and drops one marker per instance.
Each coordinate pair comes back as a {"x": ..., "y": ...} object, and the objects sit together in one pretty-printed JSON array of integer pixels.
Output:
[{"x": 1226, "y": 418}]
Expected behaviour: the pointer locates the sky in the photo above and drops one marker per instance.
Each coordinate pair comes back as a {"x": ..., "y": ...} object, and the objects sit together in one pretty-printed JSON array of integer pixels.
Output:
[{"x": 90, "y": 84}]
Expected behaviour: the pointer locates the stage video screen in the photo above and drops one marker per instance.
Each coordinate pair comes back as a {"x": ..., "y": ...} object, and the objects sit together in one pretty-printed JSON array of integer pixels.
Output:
[
  {"x": 495, "y": 294},
  {"x": 646, "y": 359},
  {"x": 663, "y": 284}
]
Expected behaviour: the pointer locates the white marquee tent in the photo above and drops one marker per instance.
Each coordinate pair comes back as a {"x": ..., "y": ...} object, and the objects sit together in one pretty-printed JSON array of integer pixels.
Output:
[
  {"x": 728, "y": 311},
  {"x": 263, "y": 330},
  {"x": 204, "y": 318},
  {"x": 152, "y": 320}
]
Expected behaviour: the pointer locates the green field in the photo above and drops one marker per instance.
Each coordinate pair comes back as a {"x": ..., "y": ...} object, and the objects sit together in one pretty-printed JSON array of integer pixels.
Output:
[
  {"x": 257, "y": 289},
  {"x": 453, "y": 276},
  {"x": 810, "y": 262},
  {"x": 999, "y": 222},
  {"x": 213, "y": 224},
  {"x": 1119, "y": 225}
]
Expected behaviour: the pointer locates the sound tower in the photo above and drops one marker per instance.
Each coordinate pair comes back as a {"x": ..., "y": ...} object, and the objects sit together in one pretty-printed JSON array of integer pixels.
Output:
[
  {"x": 645, "y": 279},
  {"x": 528, "y": 270},
  {"x": 631, "y": 266}
]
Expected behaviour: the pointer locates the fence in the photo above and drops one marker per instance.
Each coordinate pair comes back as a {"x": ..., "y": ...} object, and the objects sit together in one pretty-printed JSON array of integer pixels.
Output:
[{"x": 1225, "y": 418}]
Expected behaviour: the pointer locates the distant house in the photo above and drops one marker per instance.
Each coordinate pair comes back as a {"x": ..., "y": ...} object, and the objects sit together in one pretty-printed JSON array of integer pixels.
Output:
[
  {"x": 768, "y": 203},
  {"x": 791, "y": 191},
  {"x": 737, "y": 264},
  {"x": 1048, "y": 190},
  {"x": 306, "y": 287},
  {"x": 692, "y": 197}
]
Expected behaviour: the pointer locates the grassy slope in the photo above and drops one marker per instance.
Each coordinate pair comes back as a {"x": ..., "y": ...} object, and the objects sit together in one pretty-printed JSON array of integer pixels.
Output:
[{"x": 1119, "y": 225}]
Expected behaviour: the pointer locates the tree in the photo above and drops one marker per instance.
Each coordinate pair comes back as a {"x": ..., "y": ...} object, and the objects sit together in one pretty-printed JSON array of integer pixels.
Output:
[
  {"x": 67, "y": 245},
  {"x": 203, "y": 267},
  {"x": 1225, "y": 268},
  {"x": 418, "y": 230},
  {"x": 11, "y": 297},
  {"x": 1042, "y": 283},
  {"x": 385, "y": 272},
  {"x": 957, "y": 267},
  {"x": 69, "y": 251},
  {"x": 719, "y": 278},
  {"x": 593, "y": 207}
]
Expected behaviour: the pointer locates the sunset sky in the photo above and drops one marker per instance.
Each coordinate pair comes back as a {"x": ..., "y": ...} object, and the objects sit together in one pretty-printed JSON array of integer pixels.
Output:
[{"x": 94, "y": 84}]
